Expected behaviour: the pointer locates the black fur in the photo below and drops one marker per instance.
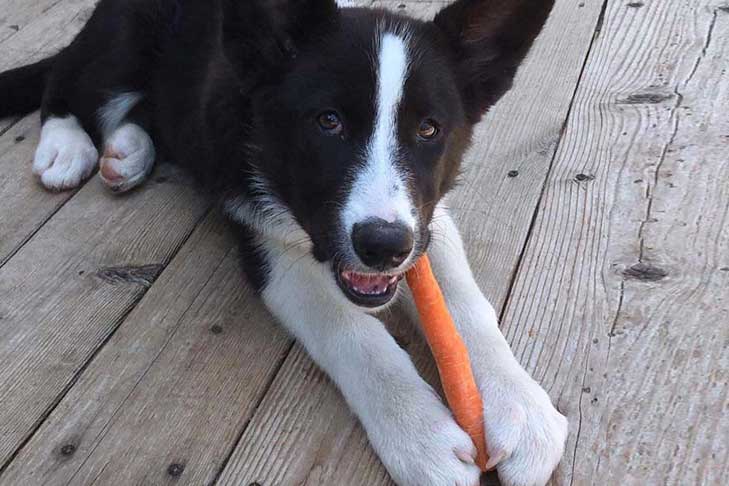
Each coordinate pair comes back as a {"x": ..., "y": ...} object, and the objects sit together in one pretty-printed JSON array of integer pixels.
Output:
[
  {"x": 232, "y": 90},
  {"x": 21, "y": 89}
]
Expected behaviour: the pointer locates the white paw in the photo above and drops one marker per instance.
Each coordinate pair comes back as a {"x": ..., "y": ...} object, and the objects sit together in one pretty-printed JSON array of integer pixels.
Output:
[
  {"x": 128, "y": 158},
  {"x": 65, "y": 156},
  {"x": 421, "y": 444},
  {"x": 525, "y": 434}
]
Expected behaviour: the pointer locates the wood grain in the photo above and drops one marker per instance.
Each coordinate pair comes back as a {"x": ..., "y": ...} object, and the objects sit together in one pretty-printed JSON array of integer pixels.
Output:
[
  {"x": 44, "y": 26},
  {"x": 621, "y": 306},
  {"x": 69, "y": 287},
  {"x": 47, "y": 26},
  {"x": 15, "y": 15},
  {"x": 303, "y": 412},
  {"x": 26, "y": 205},
  {"x": 166, "y": 399},
  {"x": 303, "y": 446}
]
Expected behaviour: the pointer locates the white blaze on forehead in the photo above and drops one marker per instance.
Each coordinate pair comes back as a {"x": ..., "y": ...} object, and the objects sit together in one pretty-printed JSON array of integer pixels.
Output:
[
  {"x": 390, "y": 82},
  {"x": 380, "y": 188}
]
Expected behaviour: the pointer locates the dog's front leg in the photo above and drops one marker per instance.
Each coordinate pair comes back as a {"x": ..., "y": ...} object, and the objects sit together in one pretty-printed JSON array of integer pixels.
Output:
[
  {"x": 412, "y": 431},
  {"x": 525, "y": 433}
]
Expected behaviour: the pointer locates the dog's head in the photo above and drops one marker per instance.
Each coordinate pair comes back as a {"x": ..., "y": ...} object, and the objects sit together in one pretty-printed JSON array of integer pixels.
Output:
[{"x": 361, "y": 118}]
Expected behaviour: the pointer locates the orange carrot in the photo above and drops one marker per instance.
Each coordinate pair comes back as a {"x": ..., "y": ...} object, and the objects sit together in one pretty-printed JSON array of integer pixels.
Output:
[{"x": 451, "y": 355}]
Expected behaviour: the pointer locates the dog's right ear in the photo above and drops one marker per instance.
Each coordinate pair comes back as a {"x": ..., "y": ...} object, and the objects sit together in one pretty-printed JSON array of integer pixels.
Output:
[
  {"x": 489, "y": 39},
  {"x": 260, "y": 35}
]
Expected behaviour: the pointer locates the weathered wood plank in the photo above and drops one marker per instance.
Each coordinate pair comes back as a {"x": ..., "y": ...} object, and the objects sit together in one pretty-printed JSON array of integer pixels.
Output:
[
  {"x": 621, "y": 305},
  {"x": 15, "y": 15},
  {"x": 175, "y": 385},
  {"x": 303, "y": 412},
  {"x": 25, "y": 205},
  {"x": 68, "y": 288},
  {"x": 302, "y": 445},
  {"x": 48, "y": 25}
]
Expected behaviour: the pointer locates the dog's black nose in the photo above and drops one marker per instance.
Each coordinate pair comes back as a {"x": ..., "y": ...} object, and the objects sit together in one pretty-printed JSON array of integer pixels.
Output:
[{"x": 382, "y": 245}]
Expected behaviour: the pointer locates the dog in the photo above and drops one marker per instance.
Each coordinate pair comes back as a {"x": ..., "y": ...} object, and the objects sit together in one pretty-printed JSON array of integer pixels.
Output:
[{"x": 330, "y": 137}]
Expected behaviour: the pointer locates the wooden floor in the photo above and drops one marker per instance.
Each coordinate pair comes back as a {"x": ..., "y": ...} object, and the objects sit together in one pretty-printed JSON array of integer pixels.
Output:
[{"x": 595, "y": 205}]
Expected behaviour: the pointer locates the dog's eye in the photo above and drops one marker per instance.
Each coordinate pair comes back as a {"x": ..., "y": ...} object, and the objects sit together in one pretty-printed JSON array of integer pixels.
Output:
[
  {"x": 428, "y": 130},
  {"x": 330, "y": 122}
]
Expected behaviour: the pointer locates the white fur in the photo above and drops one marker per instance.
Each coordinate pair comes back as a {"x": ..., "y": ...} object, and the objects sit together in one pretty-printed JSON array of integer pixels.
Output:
[
  {"x": 128, "y": 152},
  {"x": 266, "y": 215},
  {"x": 114, "y": 111},
  {"x": 380, "y": 188},
  {"x": 65, "y": 155},
  {"x": 526, "y": 435},
  {"x": 407, "y": 424}
]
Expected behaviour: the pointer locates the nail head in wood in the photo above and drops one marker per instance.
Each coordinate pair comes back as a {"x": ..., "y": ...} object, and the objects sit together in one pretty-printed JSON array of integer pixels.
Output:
[
  {"x": 175, "y": 470},
  {"x": 68, "y": 450}
]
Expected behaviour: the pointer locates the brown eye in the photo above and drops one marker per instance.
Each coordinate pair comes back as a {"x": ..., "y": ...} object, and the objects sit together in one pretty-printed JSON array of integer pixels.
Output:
[
  {"x": 428, "y": 130},
  {"x": 329, "y": 122}
]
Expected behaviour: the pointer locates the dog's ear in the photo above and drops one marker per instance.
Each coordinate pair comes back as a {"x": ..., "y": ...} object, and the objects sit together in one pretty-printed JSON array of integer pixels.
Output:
[
  {"x": 259, "y": 35},
  {"x": 302, "y": 20},
  {"x": 490, "y": 39}
]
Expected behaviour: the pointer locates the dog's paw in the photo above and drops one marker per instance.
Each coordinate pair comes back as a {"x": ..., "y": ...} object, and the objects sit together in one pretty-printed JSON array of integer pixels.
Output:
[
  {"x": 128, "y": 158},
  {"x": 65, "y": 156},
  {"x": 426, "y": 447},
  {"x": 525, "y": 433}
]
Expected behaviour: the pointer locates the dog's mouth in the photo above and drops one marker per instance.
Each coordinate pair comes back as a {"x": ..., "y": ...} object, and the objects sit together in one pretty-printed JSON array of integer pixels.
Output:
[{"x": 368, "y": 289}]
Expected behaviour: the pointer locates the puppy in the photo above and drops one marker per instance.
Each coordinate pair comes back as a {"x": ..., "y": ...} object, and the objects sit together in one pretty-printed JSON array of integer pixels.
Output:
[{"x": 330, "y": 136}]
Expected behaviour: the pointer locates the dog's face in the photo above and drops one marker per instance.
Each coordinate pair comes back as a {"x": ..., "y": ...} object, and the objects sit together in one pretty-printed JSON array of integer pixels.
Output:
[{"x": 363, "y": 131}]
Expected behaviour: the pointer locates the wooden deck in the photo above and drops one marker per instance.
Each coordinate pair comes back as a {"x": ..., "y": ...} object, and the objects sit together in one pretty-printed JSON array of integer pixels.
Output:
[{"x": 595, "y": 206}]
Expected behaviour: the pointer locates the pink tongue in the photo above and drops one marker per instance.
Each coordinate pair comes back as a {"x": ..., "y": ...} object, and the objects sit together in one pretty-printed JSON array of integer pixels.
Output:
[{"x": 370, "y": 283}]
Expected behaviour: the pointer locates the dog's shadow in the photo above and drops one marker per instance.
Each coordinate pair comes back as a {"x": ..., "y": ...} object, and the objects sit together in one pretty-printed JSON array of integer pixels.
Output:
[{"x": 490, "y": 479}]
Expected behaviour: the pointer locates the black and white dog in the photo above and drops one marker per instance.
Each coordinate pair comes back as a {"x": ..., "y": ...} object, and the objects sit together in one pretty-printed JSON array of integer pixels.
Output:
[{"x": 331, "y": 136}]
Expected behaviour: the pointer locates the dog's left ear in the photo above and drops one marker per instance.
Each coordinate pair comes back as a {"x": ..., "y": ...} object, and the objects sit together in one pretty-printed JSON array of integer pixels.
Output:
[
  {"x": 260, "y": 36},
  {"x": 490, "y": 39},
  {"x": 302, "y": 20}
]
